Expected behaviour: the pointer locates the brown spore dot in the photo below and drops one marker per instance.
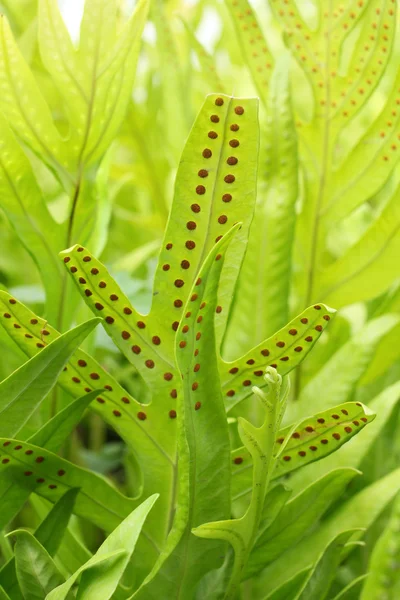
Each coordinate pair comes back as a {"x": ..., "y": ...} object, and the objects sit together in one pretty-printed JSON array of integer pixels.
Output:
[
  {"x": 207, "y": 153},
  {"x": 196, "y": 368},
  {"x": 193, "y": 297},
  {"x": 232, "y": 160},
  {"x": 141, "y": 416},
  {"x": 28, "y": 452},
  {"x": 87, "y": 390},
  {"x": 246, "y": 382},
  {"x": 222, "y": 219},
  {"x": 99, "y": 306},
  {"x": 125, "y": 335},
  {"x": 239, "y": 110},
  {"x": 309, "y": 429},
  {"x": 82, "y": 363},
  {"x": 127, "y": 310},
  {"x": 238, "y": 460},
  {"x": 5, "y": 461},
  {"x": 179, "y": 283},
  {"x": 199, "y": 319},
  {"x": 156, "y": 340},
  {"x": 168, "y": 376},
  {"x": 313, "y": 448},
  {"x": 280, "y": 344},
  {"x": 229, "y": 178},
  {"x": 141, "y": 325},
  {"x": 40, "y": 480},
  {"x": 298, "y": 349},
  {"x": 203, "y": 173},
  {"x": 33, "y": 321},
  {"x": 7, "y": 316},
  {"x": 324, "y": 441},
  {"x": 108, "y": 388},
  {"x": 27, "y": 335},
  {"x": 335, "y": 416},
  {"x": 348, "y": 429},
  {"x": 304, "y": 320},
  {"x": 234, "y": 143},
  {"x": 185, "y": 329},
  {"x": 250, "y": 361},
  {"x": 284, "y": 358},
  {"x": 149, "y": 363},
  {"x": 6, "y": 443},
  {"x": 226, "y": 198},
  {"x": 296, "y": 435},
  {"x": 195, "y": 385},
  {"x": 76, "y": 380},
  {"x": 200, "y": 190},
  {"x": 301, "y": 453},
  {"x": 234, "y": 127},
  {"x": 116, "y": 413},
  {"x": 195, "y": 208},
  {"x": 100, "y": 400},
  {"x": 172, "y": 414},
  {"x": 61, "y": 472},
  {"x": 80, "y": 249},
  {"x": 197, "y": 406},
  {"x": 336, "y": 436},
  {"x": 190, "y": 244},
  {"x": 16, "y": 326},
  {"x": 182, "y": 344},
  {"x": 233, "y": 370},
  {"x": 326, "y": 317},
  {"x": 214, "y": 118},
  {"x": 191, "y": 225},
  {"x": 280, "y": 440},
  {"x": 166, "y": 267},
  {"x": 321, "y": 420},
  {"x": 198, "y": 336},
  {"x": 175, "y": 325},
  {"x": 88, "y": 293},
  {"x": 364, "y": 419},
  {"x": 212, "y": 134},
  {"x": 317, "y": 307},
  {"x": 109, "y": 320},
  {"x": 230, "y": 393},
  {"x": 198, "y": 281},
  {"x": 218, "y": 257},
  {"x": 168, "y": 246},
  {"x": 94, "y": 376},
  {"x": 173, "y": 393},
  {"x": 67, "y": 259},
  {"x": 265, "y": 352},
  {"x": 258, "y": 373},
  {"x": 318, "y": 328},
  {"x": 94, "y": 271},
  {"x": 40, "y": 345},
  {"x": 344, "y": 411},
  {"x": 73, "y": 269},
  {"x": 287, "y": 458},
  {"x": 292, "y": 331},
  {"x": 52, "y": 486},
  {"x": 178, "y": 303},
  {"x": 356, "y": 423},
  {"x": 39, "y": 459},
  {"x": 82, "y": 280},
  {"x": 309, "y": 338},
  {"x": 113, "y": 297},
  {"x": 274, "y": 366}
]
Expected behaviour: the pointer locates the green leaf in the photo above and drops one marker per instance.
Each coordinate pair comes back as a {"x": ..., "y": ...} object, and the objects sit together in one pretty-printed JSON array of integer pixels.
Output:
[
  {"x": 383, "y": 579},
  {"x": 22, "y": 103},
  {"x": 318, "y": 582},
  {"x": 23, "y": 203},
  {"x": 284, "y": 350},
  {"x": 203, "y": 443},
  {"x": 49, "y": 534},
  {"x": 259, "y": 441},
  {"x": 335, "y": 381},
  {"x": 36, "y": 572},
  {"x": 310, "y": 440},
  {"x": 24, "y": 390},
  {"x": 288, "y": 590},
  {"x": 298, "y": 517},
  {"x": 38, "y": 470},
  {"x": 253, "y": 44},
  {"x": 357, "y": 513},
  {"x": 352, "y": 454},
  {"x": 262, "y": 302},
  {"x": 3, "y": 595},
  {"x": 348, "y": 279},
  {"x": 352, "y": 590},
  {"x": 99, "y": 579}
]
